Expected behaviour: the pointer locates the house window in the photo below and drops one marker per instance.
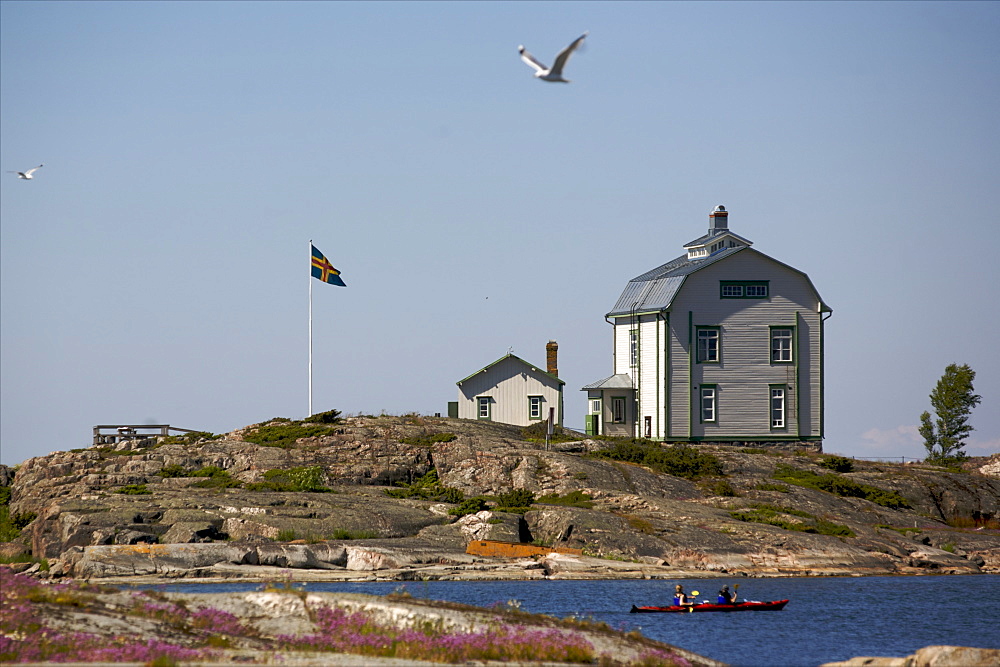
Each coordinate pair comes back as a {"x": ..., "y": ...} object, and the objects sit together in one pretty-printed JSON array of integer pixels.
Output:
[
  {"x": 595, "y": 406},
  {"x": 743, "y": 289},
  {"x": 777, "y": 407},
  {"x": 647, "y": 431},
  {"x": 708, "y": 400},
  {"x": 484, "y": 407},
  {"x": 781, "y": 345},
  {"x": 717, "y": 246},
  {"x": 633, "y": 347},
  {"x": 618, "y": 409},
  {"x": 534, "y": 407},
  {"x": 708, "y": 345}
]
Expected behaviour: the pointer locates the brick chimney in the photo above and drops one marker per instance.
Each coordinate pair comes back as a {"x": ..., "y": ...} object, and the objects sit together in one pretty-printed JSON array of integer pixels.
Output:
[
  {"x": 551, "y": 353},
  {"x": 718, "y": 220}
]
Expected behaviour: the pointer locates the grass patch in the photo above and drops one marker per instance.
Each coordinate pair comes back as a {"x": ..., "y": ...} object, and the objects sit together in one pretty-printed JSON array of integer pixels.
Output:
[
  {"x": 284, "y": 434},
  {"x": 839, "y": 486},
  {"x": 428, "y": 487},
  {"x": 188, "y": 438},
  {"x": 308, "y": 479},
  {"x": 429, "y": 439},
  {"x": 134, "y": 490},
  {"x": 215, "y": 478},
  {"x": 678, "y": 460},
  {"x": 775, "y": 516},
  {"x": 771, "y": 486},
  {"x": 571, "y": 499}
]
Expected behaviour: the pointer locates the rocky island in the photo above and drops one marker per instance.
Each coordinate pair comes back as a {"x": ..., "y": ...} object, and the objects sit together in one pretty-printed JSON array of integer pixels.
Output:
[{"x": 402, "y": 498}]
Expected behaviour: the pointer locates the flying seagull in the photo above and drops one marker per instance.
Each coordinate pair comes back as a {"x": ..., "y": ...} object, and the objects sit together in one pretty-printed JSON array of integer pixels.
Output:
[
  {"x": 553, "y": 73},
  {"x": 26, "y": 175}
]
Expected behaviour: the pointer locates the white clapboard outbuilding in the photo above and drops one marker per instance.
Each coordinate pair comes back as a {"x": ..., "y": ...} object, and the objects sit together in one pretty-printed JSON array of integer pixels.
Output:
[
  {"x": 512, "y": 391},
  {"x": 721, "y": 344}
]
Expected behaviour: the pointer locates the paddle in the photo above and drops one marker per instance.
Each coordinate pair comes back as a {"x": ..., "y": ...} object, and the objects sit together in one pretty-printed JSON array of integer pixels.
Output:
[
  {"x": 694, "y": 594},
  {"x": 736, "y": 589}
]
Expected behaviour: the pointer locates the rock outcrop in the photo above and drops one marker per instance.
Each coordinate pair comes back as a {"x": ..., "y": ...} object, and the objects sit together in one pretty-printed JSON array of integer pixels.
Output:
[
  {"x": 109, "y": 511},
  {"x": 930, "y": 656}
]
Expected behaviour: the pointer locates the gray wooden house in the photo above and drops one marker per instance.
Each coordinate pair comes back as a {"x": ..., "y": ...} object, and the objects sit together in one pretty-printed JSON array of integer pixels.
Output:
[
  {"x": 722, "y": 344},
  {"x": 512, "y": 391}
]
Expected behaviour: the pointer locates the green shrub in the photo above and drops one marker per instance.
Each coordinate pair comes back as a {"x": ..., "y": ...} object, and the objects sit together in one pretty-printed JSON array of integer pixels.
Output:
[
  {"x": 678, "y": 460},
  {"x": 308, "y": 479},
  {"x": 837, "y": 463},
  {"x": 469, "y": 506},
  {"x": 428, "y": 487},
  {"x": 571, "y": 499},
  {"x": 537, "y": 431},
  {"x": 5, "y": 495},
  {"x": 515, "y": 500},
  {"x": 134, "y": 490},
  {"x": 173, "y": 470},
  {"x": 722, "y": 487},
  {"x": 328, "y": 417},
  {"x": 428, "y": 440},
  {"x": 286, "y": 535},
  {"x": 771, "y": 516},
  {"x": 839, "y": 486}
]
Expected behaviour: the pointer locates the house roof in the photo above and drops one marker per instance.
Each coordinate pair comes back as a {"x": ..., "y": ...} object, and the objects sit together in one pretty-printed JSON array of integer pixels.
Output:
[
  {"x": 656, "y": 289},
  {"x": 510, "y": 355},
  {"x": 703, "y": 240},
  {"x": 619, "y": 381}
]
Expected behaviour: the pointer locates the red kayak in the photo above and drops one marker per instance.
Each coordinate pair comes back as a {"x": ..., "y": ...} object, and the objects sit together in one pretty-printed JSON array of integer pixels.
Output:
[{"x": 774, "y": 605}]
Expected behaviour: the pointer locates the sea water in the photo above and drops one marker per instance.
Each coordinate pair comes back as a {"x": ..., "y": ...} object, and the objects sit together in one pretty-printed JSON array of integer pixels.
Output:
[{"x": 828, "y": 618}]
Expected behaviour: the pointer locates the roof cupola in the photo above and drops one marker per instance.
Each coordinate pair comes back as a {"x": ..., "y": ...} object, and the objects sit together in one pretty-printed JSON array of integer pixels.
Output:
[{"x": 718, "y": 237}]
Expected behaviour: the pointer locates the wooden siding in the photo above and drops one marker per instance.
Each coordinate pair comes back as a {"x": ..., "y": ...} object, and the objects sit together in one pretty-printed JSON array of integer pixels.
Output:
[
  {"x": 745, "y": 372},
  {"x": 509, "y": 383},
  {"x": 667, "y": 379}
]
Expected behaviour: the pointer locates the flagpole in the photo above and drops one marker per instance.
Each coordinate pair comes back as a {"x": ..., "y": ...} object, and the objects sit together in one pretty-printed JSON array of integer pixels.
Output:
[{"x": 309, "y": 414}]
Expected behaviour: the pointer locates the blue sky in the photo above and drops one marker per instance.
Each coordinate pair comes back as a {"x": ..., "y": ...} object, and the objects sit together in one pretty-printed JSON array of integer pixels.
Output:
[{"x": 156, "y": 269}]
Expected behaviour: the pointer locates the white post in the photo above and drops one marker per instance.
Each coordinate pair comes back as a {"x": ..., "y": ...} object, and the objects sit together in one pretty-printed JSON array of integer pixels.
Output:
[{"x": 309, "y": 414}]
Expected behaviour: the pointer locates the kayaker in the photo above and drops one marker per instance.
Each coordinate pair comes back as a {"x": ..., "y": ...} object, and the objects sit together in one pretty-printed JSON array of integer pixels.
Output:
[
  {"x": 681, "y": 598},
  {"x": 725, "y": 597}
]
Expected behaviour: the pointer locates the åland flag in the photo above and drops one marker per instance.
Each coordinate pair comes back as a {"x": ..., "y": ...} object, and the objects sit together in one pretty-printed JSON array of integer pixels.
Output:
[{"x": 323, "y": 269}]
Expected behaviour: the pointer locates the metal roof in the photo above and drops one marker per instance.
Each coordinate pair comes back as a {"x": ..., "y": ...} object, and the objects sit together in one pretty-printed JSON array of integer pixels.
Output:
[
  {"x": 703, "y": 240},
  {"x": 655, "y": 290},
  {"x": 515, "y": 358},
  {"x": 619, "y": 381}
]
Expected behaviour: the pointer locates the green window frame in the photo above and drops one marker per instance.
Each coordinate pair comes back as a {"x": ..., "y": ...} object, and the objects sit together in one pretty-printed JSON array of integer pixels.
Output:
[
  {"x": 744, "y": 289},
  {"x": 709, "y": 346},
  {"x": 534, "y": 408},
  {"x": 708, "y": 404},
  {"x": 484, "y": 408},
  {"x": 782, "y": 344},
  {"x": 778, "y": 407}
]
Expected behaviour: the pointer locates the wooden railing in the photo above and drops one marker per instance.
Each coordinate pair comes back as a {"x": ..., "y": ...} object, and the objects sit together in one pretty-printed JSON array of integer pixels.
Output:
[{"x": 133, "y": 432}]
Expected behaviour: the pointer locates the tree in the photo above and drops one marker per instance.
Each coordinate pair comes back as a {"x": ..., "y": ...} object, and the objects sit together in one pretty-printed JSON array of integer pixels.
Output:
[{"x": 952, "y": 400}]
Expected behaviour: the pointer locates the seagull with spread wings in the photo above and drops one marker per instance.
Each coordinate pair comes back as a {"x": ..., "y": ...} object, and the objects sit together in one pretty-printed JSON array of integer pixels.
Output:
[
  {"x": 554, "y": 73},
  {"x": 26, "y": 175}
]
